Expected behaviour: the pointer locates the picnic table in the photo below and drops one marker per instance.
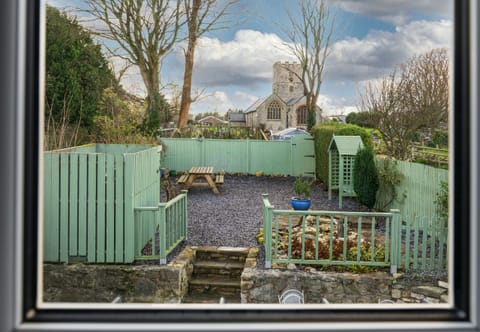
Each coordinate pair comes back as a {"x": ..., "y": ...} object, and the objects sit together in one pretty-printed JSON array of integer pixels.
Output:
[{"x": 201, "y": 176}]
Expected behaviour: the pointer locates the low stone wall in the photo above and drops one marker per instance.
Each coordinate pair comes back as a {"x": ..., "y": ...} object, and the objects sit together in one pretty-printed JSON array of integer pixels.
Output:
[
  {"x": 169, "y": 283},
  {"x": 265, "y": 286},
  {"x": 104, "y": 283}
]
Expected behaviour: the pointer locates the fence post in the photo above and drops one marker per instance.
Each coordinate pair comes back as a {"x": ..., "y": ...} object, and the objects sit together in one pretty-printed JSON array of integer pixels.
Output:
[
  {"x": 162, "y": 238},
  {"x": 185, "y": 212},
  {"x": 267, "y": 231},
  {"x": 396, "y": 240}
]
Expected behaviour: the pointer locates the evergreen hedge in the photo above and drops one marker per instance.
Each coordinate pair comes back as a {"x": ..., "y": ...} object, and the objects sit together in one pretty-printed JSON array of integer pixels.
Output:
[
  {"x": 323, "y": 134},
  {"x": 365, "y": 177}
]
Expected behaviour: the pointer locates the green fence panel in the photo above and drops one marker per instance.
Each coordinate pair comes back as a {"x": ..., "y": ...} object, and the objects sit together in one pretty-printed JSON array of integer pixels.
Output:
[
  {"x": 101, "y": 199},
  {"x": 289, "y": 157},
  {"x": 271, "y": 157},
  {"x": 82, "y": 204},
  {"x": 89, "y": 199},
  {"x": 417, "y": 192},
  {"x": 92, "y": 207}
]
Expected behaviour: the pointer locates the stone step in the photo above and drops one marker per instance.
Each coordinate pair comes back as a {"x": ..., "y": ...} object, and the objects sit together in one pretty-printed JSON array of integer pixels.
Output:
[
  {"x": 216, "y": 282},
  {"x": 221, "y": 253},
  {"x": 208, "y": 298},
  {"x": 215, "y": 286},
  {"x": 210, "y": 268}
]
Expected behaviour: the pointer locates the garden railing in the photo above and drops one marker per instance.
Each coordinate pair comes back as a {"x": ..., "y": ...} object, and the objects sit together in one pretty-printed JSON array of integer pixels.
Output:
[
  {"x": 158, "y": 229},
  {"x": 331, "y": 237}
]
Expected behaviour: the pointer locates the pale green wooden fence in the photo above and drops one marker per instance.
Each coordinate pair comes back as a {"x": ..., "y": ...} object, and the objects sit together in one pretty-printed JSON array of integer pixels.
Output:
[
  {"x": 308, "y": 238},
  {"x": 416, "y": 193},
  {"x": 312, "y": 239},
  {"x": 89, "y": 197},
  {"x": 161, "y": 227},
  {"x": 424, "y": 234},
  {"x": 424, "y": 244},
  {"x": 289, "y": 157}
]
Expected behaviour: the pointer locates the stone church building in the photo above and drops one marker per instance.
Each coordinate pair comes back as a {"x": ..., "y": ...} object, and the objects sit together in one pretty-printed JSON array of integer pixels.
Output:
[{"x": 285, "y": 107}]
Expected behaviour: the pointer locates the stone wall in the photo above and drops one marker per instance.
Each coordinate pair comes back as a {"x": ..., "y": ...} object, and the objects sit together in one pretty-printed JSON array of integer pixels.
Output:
[
  {"x": 169, "y": 284},
  {"x": 265, "y": 286},
  {"x": 104, "y": 283}
]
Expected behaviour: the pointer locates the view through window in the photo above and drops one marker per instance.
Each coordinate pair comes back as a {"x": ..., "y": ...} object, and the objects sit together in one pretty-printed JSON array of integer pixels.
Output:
[{"x": 239, "y": 153}]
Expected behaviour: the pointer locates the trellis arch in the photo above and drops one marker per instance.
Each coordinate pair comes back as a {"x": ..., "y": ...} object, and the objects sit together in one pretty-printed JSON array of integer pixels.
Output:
[{"x": 341, "y": 161}]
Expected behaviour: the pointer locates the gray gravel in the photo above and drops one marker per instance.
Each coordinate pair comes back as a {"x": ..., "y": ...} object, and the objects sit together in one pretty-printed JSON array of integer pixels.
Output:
[{"x": 233, "y": 217}]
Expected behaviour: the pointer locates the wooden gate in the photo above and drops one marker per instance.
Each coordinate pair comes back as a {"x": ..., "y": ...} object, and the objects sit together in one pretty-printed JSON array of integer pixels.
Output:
[{"x": 303, "y": 155}]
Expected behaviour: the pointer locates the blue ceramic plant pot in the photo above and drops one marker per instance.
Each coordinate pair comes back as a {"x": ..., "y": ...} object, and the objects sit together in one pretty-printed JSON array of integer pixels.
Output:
[{"x": 301, "y": 204}]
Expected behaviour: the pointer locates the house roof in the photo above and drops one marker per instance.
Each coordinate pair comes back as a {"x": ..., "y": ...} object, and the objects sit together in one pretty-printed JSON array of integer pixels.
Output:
[
  {"x": 294, "y": 100},
  {"x": 236, "y": 117},
  {"x": 346, "y": 145},
  {"x": 211, "y": 118},
  {"x": 255, "y": 105}
]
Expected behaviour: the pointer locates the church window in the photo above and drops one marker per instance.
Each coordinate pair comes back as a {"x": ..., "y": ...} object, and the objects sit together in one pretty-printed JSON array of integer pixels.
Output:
[
  {"x": 273, "y": 111},
  {"x": 302, "y": 115}
]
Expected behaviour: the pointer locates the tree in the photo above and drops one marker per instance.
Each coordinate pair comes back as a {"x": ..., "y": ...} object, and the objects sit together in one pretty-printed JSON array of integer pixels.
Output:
[
  {"x": 76, "y": 75},
  {"x": 145, "y": 30},
  {"x": 362, "y": 119},
  {"x": 201, "y": 17},
  {"x": 310, "y": 39},
  {"x": 116, "y": 122},
  {"x": 411, "y": 100},
  {"x": 365, "y": 177}
]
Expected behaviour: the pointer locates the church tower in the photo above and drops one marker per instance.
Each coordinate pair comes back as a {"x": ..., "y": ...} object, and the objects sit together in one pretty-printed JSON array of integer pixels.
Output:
[{"x": 286, "y": 83}]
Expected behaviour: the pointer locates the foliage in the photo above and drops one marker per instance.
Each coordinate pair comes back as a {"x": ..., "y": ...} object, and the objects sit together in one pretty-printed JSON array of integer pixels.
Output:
[
  {"x": 365, "y": 177},
  {"x": 302, "y": 188},
  {"x": 76, "y": 71},
  {"x": 323, "y": 134},
  {"x": 440, "y": 138},
  {"x": 441, "y": 201},
  {"x": 362, "y": 119},
  {"x": 160, "y": 112},
  {"x": 219, "y": 131},
  {"x": 413, "y": 99},
  {"x": 389, "y": 178},
  {"x": 115, "y": 123}
]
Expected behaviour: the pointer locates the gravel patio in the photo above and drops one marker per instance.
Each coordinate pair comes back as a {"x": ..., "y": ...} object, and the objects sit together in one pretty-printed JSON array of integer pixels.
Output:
[{"x": 233, "y": 217}]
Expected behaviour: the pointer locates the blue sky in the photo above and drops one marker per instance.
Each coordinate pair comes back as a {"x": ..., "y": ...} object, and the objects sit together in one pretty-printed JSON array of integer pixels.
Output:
[{"x": 234, "y": 65}]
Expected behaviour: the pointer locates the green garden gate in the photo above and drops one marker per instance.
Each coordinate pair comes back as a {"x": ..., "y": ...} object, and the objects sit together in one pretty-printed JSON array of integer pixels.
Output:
[{"x": 90, "y": 193}]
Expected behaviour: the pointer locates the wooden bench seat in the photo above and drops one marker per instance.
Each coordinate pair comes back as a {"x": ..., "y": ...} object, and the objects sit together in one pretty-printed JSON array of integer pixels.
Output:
[
  {"x": 219, "y": 179},
  {"x": 182, "y": 179}
]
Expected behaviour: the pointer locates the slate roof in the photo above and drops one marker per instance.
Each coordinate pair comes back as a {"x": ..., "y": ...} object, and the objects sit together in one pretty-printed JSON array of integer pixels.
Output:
[{"x": 236, "y": 117}]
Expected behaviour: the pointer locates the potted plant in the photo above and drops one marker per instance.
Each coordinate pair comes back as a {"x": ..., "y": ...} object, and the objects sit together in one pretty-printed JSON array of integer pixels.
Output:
[{"x": 302, "y": 190}]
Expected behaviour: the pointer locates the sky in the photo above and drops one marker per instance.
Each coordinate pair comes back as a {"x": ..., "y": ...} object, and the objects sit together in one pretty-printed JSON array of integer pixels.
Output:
[{"x": 234, "y": 66}]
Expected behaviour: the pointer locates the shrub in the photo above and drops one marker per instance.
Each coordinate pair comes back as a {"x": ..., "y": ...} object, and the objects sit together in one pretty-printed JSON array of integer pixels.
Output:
[
  {"x": 441, "y": 201},
  {"x": 302, "y": 188},
  {"x": 323, "y": 135},
  {"x": 365, "y": 177},
  {"x": 389, "y": 179}
]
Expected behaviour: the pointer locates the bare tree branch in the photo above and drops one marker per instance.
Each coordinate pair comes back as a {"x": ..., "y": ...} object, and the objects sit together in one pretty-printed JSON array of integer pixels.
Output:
[{"x": 310, "y": 39}]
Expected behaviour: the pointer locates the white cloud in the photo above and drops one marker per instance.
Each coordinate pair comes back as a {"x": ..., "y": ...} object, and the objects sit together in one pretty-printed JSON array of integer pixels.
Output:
[
  {"x": 397, "y": 12},
  {"x": 380, "y": 51},
  {"x": 245, "y": 60}
]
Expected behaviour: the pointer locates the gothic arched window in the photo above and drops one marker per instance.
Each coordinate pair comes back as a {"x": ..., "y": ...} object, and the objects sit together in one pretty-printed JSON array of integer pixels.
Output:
[
  {"x": 302, "y": 115},
  {"x": 274, "y": 111}
]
